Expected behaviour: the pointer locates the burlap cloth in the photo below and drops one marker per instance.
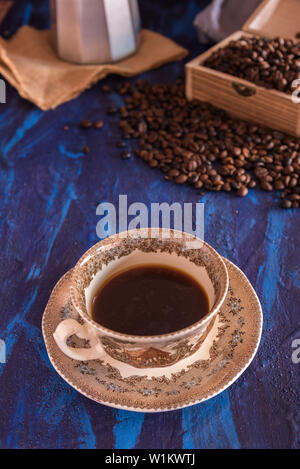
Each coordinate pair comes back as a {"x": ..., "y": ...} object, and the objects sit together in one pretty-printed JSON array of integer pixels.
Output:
[{"x": 29, "y": 62}]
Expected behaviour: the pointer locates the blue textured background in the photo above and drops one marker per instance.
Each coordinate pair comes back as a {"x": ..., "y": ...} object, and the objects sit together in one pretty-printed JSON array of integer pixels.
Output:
[{"x": 49, "y": 190}]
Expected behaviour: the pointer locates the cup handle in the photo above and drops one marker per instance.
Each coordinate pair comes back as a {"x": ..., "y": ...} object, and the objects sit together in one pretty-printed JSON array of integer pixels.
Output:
[{"x": 69, "y": 327}]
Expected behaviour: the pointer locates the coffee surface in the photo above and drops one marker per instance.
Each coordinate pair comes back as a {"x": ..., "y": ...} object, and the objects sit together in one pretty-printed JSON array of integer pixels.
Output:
[{"x": 149, "y": 300}]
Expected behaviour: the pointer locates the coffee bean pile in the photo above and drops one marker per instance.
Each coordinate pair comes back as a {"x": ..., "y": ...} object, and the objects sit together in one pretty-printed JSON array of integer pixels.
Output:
[
  {"x": 271, "y": 63},
  {"x": 196, "y": 143}
]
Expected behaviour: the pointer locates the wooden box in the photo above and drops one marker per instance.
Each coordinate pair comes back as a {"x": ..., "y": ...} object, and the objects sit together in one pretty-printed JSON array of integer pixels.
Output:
[{"x": 242, "y": 98}]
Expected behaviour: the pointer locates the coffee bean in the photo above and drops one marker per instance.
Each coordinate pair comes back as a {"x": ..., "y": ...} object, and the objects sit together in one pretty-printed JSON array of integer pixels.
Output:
[
  {"x": 235, "y": 185},
  {"x": 192, "y": 165},
  {"x": 293, "y": 182},
  {"x": 279, "y": 185},
  {"x": 98, "y": 124},
  {"x": 193, "y": 178},
  {"x": 121, "y": 144},
  {"x": 286, "y": 204},
  {"x": 142, "y": 127},
  {"x": 86, "y": 124},
  {"x": 242, "y": 191},
  {"x": 173, "y": 173},
  {"x": 125, "y": 155},
  {"x": 181, "y": 179},
  {"x": 85, "y": 149},
  {"x": 266, "y": 186},
  {"x": 106, "y": 88},
  {"x": 227, "y": 187},
  {"x": 252, "y": 184},
  {"x": 198, "y": 185},
  {"x": 246, "y": 152},
  {"x": 153, "y": 163}
]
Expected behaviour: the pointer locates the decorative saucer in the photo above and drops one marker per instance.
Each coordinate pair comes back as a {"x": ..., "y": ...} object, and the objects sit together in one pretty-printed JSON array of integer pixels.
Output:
[{"x": 224, "y": 355}]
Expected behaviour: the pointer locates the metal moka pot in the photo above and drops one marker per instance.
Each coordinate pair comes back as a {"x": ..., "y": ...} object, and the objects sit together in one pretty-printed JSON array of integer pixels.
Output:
[{"x": 95, "y": 31}]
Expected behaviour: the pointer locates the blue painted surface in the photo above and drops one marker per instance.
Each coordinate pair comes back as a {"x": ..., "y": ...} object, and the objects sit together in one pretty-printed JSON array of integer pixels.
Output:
[{"x": 49, "y": 190}]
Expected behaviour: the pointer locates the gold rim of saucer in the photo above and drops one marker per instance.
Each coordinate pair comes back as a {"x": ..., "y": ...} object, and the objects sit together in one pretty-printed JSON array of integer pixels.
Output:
[{"x": 230, "y": 348}]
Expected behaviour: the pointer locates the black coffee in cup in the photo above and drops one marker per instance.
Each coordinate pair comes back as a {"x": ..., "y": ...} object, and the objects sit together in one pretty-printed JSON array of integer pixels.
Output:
[{"x": 149, "y": 300}]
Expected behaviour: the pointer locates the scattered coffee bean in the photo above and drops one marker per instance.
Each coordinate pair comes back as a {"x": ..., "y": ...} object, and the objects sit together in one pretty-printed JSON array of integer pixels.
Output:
[
  {"x": 193, "y": 178},
  {"x": 242, "y": 191},
  {"x": 271, "y": 63},
  {"x": 181, "y": 179},
  {"x": 86, "y": 124},
  {"x": 85, "y": 149},
  {"x": 66, "y": 127},
  {"x": 197, "y": 143},
  {"x": 98, "y": 124},
  {"x": 266, "y": 186},
  {"x": 198, "y": 185},
  {"x": 125, "y": 155},
  {"x": 286, "y": 204},
  {"x": 279, "y": 185},
  {"x": 153, "y": 163}
]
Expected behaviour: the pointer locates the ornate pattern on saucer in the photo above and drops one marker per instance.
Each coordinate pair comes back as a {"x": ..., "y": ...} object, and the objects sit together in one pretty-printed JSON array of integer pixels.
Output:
[{"x": 225, "y": 353}]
